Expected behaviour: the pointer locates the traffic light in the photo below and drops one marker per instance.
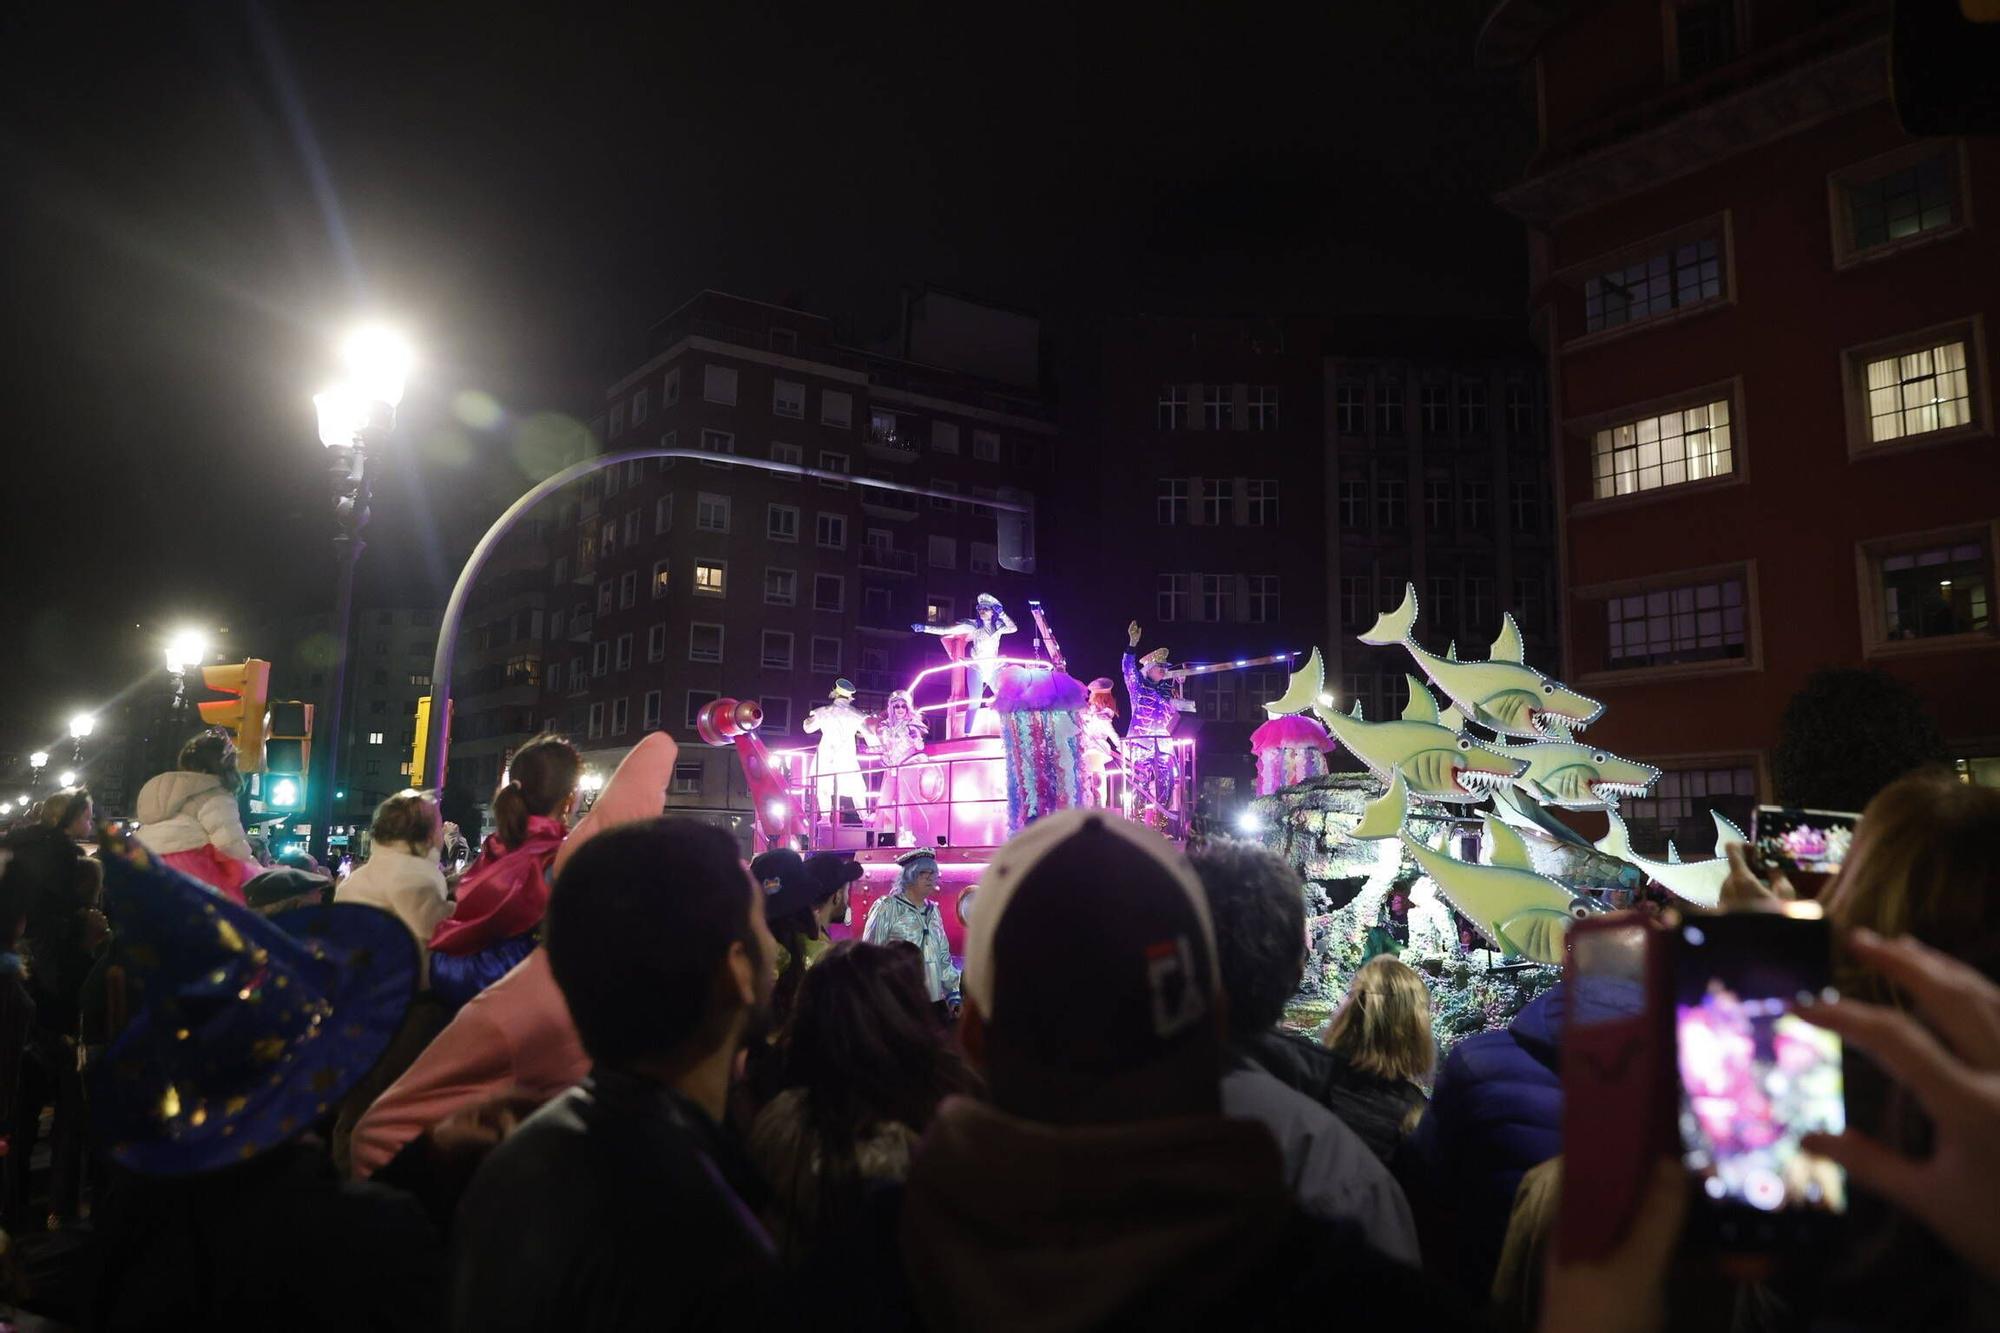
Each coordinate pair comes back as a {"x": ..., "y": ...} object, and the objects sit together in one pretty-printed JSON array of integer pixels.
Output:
[
  {"x": 243, "y": 716},
  {"x": 288, "y": 755}
]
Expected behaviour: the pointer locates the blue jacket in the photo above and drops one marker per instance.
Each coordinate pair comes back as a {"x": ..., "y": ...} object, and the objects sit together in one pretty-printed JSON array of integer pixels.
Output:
[{"x": 1495, "y": 1112}]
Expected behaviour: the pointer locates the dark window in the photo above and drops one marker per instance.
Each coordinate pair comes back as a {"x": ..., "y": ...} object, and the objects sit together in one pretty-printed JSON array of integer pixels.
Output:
[{"x": 1704, "y": 35}]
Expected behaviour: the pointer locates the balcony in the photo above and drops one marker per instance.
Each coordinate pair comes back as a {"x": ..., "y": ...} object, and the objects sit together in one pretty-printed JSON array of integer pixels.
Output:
[
  {"x": 886, "y": 443},
  {"x": 879, "y": 556},
  {"x": 878, "y": 503}
]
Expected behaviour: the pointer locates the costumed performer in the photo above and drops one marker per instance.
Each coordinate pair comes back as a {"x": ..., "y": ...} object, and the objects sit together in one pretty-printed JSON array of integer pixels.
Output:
[
  {"x": 899, "y": 736},
  {"x": 911, "y": 913},
  {"x": 1100, "y": 740},
  {"x": 983, "y": 636},
  {"x": 842, "y": 729}
]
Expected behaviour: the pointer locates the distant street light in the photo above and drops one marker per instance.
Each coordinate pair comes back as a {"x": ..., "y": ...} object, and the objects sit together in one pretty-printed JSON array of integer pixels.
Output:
[
  {"x": 38, "y": 761},
  {"x": 66, "y": 778},
  {"x": 80, "y": 726},
  {"x": 187, "y": 648},
  {"x": 354, "y": 415}
]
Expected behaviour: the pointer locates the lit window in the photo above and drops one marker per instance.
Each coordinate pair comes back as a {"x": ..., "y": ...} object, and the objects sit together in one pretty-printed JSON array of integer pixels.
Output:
[
  {"x": 1172, "y": 506},
  {"x": 704, "y": 642},
  {"x": 781, "y": 586},
  {"x": 777, "y": 650},
  {"x": 374, "y": 738},
  {"x": 937, "y": 610},
  {"x": 1687, "y": 444},
  {"x": 718, "y": 385},
  {"x": 1934, "y": 591},
  {"x": 710, "y": 577},
  {"x": 1918, "y": 392},
  {"x": 788, "y": 399}
]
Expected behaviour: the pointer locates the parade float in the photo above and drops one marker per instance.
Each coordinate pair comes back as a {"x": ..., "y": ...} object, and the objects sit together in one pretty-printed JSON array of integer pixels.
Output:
[{"x": 1446, "y": 848}]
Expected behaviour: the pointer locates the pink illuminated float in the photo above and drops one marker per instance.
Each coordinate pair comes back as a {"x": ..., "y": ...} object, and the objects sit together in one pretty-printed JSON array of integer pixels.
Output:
[
  {"x": 780, "y": 816},
  {"x": 1289, "y": 750}
]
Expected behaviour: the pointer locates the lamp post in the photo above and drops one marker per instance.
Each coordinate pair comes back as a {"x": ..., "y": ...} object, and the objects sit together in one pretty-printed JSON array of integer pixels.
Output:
[
  {"x": 37, "y": 761},
  {"x": 354, "y": 415},
  {"x": 80, "y": 726}
]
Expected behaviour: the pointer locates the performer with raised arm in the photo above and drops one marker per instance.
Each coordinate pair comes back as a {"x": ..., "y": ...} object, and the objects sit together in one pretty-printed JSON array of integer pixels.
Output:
[
  {"x": 982, "y": 635},
  {"x": 1156, "y": 711},
  {"x": 842, "y": 728}
]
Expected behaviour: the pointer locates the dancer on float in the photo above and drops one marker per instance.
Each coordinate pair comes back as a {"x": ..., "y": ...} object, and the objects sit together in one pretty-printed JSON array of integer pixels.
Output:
[
  {"x": 1099, "y": 721},
  {"x": 984, "y": 631},
  {"x": 1156, "y": 711},
  {"x": 841, "y": 728},
  {"x": 899, "y": 736}
]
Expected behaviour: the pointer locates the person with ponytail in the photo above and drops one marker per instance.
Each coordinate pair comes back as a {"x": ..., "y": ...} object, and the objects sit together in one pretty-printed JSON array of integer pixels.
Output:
[
  {"x": 502, "y": 896},
  {"x": 188, "y": 818}
]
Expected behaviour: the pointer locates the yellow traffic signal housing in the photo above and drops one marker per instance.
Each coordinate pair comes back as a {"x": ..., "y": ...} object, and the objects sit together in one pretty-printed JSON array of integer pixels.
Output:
[
  {"x": 245, "y": 716},
  {"x": 418, "y": 752},
  {"x": 288, "y": 754}
]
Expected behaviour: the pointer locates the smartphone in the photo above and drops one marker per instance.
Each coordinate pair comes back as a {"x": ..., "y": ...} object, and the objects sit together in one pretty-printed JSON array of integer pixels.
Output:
[
  {"x": 1755, "y": 1077},
  {"x": 1794, "y": 840}
]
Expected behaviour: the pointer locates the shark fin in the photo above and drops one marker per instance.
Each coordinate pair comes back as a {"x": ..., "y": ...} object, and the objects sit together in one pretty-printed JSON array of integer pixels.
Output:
[
  {"x": 1394, "y": 626},
  {"x": 1508, "y": 646},
  {"x": 1383, "y": 816},
  {"x": 1302, "y": 690},
  {"x": 1673, "y": 853},
  {"x": 1556, "y": 728},
  {"x": 1451, "y": 651},
  {"x": 1355, "y": 712},
  {"x": 1451, "y": 719},
  {"x": 1421, "y": 707},
  {"x": 1725, "y": 832},
  {"x": 1505, "y": 847},
  {"x": 1616, "y": 842}
]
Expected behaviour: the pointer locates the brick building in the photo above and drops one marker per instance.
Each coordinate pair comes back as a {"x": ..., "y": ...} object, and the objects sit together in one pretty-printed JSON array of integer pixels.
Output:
[
  {"x": 674, "y": 582},
  {"x": 1763, "y": 309},
  {"x": 1268, "y": 485}
]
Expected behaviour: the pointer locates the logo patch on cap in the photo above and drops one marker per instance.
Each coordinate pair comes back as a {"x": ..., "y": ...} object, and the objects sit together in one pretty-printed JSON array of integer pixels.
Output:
[{"x": 1177, "y": 1003}]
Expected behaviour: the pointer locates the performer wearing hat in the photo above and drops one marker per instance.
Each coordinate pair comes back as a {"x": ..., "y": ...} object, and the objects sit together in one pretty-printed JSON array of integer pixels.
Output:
[
  {"x": 911, "y": 913},
  {"x": 899, "y": 735},
  {"x": 841, "y": 728},
  {"x": 1099, "y": 721},
  {"x": 983, "y": 633},
  {"x": 1149, "y": 761}
]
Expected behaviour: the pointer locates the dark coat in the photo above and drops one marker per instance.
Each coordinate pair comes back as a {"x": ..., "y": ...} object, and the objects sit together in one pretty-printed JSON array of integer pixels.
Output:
[
  {"x": 617, "y": 1205},
  {"x": 1374, "y": 1108}
]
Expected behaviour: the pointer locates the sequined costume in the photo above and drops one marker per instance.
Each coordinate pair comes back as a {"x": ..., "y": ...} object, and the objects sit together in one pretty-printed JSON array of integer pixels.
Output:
[
  {"x": 1149, "y": 760},
  {"x": 982, "y": 636},
  {"x": 899, "y": 737}
]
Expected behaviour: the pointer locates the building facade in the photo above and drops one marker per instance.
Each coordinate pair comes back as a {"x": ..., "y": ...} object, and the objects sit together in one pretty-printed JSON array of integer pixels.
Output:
[
  {"x": 1764, "y": 312},
  {"x": 675, "y": 582},
  {"x": 1270, "y": 485}
]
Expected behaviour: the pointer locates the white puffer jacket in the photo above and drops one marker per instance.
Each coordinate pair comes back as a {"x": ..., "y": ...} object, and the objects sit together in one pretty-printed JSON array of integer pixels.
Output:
[{"x": 179, "y": 812}]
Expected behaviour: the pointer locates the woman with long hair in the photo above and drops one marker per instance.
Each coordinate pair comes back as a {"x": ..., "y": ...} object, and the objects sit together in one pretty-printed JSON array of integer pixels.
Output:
[
  {"x": 188, "y": 818},
  {"x": 1383, "y": 1051},
  {"x": 504, "y": 894},
  {"x": 865, "y": 1066}
]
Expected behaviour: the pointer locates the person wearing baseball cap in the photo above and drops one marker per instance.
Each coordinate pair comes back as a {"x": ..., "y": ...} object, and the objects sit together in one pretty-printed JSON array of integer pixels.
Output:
[
  {"x": 1103, "y": 1185},
  {"x": 911, "y": 913},
  {"x": 789, "y": 892}
]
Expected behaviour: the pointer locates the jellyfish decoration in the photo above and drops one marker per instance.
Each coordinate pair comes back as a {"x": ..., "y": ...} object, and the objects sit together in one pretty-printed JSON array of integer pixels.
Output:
[
  {"x": 1038, "y": 708},
  {"x": 1289, "y": 750}
]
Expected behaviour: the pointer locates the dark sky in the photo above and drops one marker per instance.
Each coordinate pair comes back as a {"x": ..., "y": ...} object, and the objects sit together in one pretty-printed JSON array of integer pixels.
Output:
[{"x": 195, "y": 198}]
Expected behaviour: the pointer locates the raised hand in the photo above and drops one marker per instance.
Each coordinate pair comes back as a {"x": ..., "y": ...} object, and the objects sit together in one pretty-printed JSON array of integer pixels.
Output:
[
  {"x": 1132, "y": 634},
  {"x": 1956, "y": 1079},
  {"x": 1743, "y": 890}
]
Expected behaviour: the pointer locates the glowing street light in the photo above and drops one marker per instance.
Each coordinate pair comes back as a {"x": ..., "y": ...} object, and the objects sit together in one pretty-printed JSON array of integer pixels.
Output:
[
  {"x": 186, "y": 648},
  {"x": 66, "y": 778},
  {"x": 81, "y": 725},
  {"x": 38, "y": 761},
  {"x": 377, "y": 360}
]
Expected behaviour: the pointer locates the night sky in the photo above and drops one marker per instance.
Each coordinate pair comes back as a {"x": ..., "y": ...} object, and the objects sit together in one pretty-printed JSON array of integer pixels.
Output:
[{"x": 198, "y": 197}]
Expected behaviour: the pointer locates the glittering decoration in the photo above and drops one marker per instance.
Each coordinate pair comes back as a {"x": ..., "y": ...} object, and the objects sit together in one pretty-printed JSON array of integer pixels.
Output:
[
  {"x": 1289, "y": 750},
  {"x": 1042, "y": 736}
]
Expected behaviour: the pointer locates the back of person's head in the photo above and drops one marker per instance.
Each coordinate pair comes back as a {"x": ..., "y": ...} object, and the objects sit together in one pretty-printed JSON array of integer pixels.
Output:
[
  {"x": 1090, "y": 977},
  {"x": 408, "y": 819},
  {"x": 1259, "y": 908},
  {"x": 1923, "y": 863},
  {"x": 299, "y": 860},
  {"x": 213, "y": 753},
  {"x": 64, "y": 808},
  {"x": 1383, "y": 1026},
  {"x": 44, "y": 879},
  {"x": 541, "y": 779},
  {"x": 865, "y": 1045},
  {"x": 655, "y": 936}
]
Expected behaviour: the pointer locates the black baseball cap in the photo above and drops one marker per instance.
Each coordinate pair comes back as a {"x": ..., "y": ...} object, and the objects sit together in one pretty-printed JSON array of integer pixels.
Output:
[
  {"x": 782, "y": 880},
  {"x": 1091, "y": 961}
]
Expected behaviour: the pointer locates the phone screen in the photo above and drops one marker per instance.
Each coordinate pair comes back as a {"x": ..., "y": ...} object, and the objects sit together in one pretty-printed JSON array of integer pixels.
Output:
[
  {"x": 1755, "y": 1077},
  {"x": 1814, "y": 841}
]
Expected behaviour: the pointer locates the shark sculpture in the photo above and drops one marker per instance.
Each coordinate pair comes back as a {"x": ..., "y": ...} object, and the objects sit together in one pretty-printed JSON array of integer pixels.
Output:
[
  {"x": 1302, "y": 690},
  {"x": 1525, "y": 914},
  {"x": 1576, "y": 777},
  {"x": 1699, "y": 882},
  {"x": 1438, "y": 759},
  {"x": 1503, "y": 693}
]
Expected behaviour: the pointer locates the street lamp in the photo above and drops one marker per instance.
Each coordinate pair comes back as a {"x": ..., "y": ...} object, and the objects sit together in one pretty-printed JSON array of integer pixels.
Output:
[
  {"x": 80, "y": 726},
  {"x": 354, "y": 414},
  {"x": 66, "y": 778},
  {"x": 187, "y": 648}
]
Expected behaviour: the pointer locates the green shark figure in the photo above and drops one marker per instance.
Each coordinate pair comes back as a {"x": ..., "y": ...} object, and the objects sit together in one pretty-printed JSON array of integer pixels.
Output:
[
  {"x": 1524, "y": 914},
  {"x": 1503, "y": 693},
  {"x": 1576, "y": 777},
  {"x": 1436, "y": 757},
  {"x": 1699, "y": 882}
]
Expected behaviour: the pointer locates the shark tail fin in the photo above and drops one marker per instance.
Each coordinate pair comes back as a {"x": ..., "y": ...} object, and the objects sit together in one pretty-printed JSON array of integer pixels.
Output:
[
  {"x": 1616, "y": 842},
  {"x": 1356, "y": 712},
  {"x": 1383, "y": 817},
  {"x": 1673, "y": 853},
  {"x": 1451, "y": 651},
  {"x": 1394, "y": 626},
  {"x": 1725, "y": 832}
]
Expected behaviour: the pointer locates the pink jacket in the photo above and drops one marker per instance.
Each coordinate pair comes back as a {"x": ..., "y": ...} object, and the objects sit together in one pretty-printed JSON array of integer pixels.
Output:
[{"x": 516, "y": 1033}]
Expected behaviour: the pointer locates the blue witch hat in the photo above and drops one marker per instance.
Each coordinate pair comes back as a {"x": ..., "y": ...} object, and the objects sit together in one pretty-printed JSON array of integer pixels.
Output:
[{"x": 245, "y": 1029}]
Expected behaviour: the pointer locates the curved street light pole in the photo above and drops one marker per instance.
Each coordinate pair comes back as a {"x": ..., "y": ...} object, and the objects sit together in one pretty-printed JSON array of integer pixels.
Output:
[{"x": 437, "y": 732}]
